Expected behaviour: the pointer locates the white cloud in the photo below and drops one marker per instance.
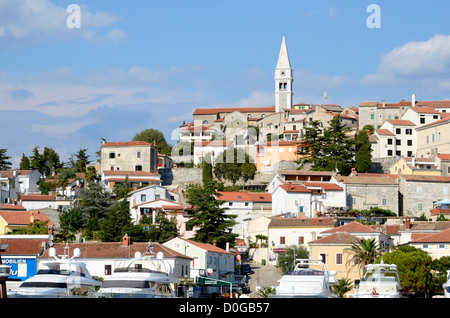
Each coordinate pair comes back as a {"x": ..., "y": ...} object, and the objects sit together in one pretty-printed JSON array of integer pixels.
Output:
[
  {"x": 26, "y": 21},
  {"x": 424, "y": 62}
]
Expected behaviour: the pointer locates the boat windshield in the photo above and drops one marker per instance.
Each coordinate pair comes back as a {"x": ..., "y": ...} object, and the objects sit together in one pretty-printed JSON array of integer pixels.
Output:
[
  {"x": 64, "y": 272},
  {"x": 127, "y": 284},
  {"x": 306, "y": 272},
  {"x": 380, "y": 275},
  {"x": 43, "y": 285}
]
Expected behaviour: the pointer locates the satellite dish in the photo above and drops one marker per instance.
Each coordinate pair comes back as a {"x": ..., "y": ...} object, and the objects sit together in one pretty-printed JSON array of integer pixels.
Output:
[
  {"x": 160, "y": 256},
  {"x": 137, "y": 255}
]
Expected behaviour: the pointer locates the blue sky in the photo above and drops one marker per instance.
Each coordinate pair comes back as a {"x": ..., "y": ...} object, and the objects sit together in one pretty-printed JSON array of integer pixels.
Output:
[{"x": 141, "y": 64}]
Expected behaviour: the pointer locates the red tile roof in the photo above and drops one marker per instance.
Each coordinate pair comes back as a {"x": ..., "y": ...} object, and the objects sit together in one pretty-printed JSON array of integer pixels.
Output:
[
  {"x": 125, "y": 143},
  {"x": 205, "y": 246},
  {"x": 425, "y": 110},
  {"x": 23, "y": 217},
  {"x": 244, "y": 196},
  {"x": 384, "y": 132},
  {"x": 128, "y": 173},
  {"x": 112, "y": 249},
  {"x": 37, "y": 197},
  {"x": 439, "y": 237},
  {"x": 352, "y": 227},
  {"x": 295, "y": 188},
  {"x": 302, "y": 222},
  {"x": 444, "y": 156},
  {"x": 323, "y": 185},
  {"x": 400, "y": 122},
  {"x": 22, "y": 246},
  {"x": 337, "y": 238},
  {"x": 206, "y": 111}
]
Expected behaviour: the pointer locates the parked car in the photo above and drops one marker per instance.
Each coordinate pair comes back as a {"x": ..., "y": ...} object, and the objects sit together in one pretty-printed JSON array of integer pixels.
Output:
[{"x": 246, "y": 269}]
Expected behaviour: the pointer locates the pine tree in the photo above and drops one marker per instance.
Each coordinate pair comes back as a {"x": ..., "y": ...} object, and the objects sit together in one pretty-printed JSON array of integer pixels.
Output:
[
  {"x": 210, "y": 218},
  {"x": 24, "y": 163},
  {"x": 5, "y": 164},
  {"x": 363, "y": 154}
]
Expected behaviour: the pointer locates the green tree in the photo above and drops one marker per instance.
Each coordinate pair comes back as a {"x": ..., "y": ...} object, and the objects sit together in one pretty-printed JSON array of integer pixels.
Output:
[
  {"x": 153, "y": 135},
  {"x": 95, "y": 203},
  {"x": 343, "y": 286},
  {"x": 71, "y": 219},
  {"x": 311, "y": 150},
  {"x": 82, "y": 161},
  {"x": 38, "y": 227},
  {"x": 363, "y": 155},
  {"x": 209, "y": 217},
  {"x": 24, "y": 163},
  {"x": 233, "y": 165},
  {"x": 440, "y": 267},
  {"x": 291, "y": 253},
  {"x": 116, "y": 222},
  {"x": 47, "y": 162},
  {"x": 414, "y": 268},
  {"x": 164, "y": 229},
  {"x": 5, "y": 164},
  {"x": 207, "y": 170},
  {"x": 362, "y": 253},
  {"x": 331, "y": 150}
]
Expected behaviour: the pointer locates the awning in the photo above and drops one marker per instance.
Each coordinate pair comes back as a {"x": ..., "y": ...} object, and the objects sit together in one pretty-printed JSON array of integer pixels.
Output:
[
  {"x": 206, "y": 281},
  {"x": 279, "y": 250}
]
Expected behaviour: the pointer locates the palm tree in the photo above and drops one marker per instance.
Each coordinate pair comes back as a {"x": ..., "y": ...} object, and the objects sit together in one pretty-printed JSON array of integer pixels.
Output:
[
  {"x": 364, "y": 252},
  {"x": 342, "y": 287}
]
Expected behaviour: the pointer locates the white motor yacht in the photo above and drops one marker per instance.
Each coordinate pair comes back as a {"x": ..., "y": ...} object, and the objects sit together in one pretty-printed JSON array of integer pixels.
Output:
[
  {"x": 62, "y": 277},
  {"x": 308, "y": 279},
  {"x": 379, "y": 281},
  {"x": 141, "y": 277}
]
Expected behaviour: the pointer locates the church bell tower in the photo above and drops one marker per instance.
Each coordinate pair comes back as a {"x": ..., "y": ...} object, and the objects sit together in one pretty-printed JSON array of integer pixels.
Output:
[{"x": 283, "y": 80}]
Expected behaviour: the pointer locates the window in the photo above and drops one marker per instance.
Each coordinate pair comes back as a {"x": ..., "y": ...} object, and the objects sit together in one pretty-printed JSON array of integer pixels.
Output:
[
  {"x": 428, "y": 139},
  {"x": 143, "y": 197},
  {"x": 301, "y": 240},
  {"x": 138, "y": 168},
  {"x": 398, "y": 142},
  {"x": 138, "y": 154},
  {"x": 419, "y": 206},
  {"x": 282, "y": 240},
  {"x": 409, "y": 142},
  {"x": 372, "y": 116},
  {"x": 324, "y": 257},
  {"x": 389, "y": 152},
  {"x": 246, "y": 203},
  {"x": 389, "y": 141},
  {"x": 339, "y": 259},
  {"x": 419, "y": 190},
  {"x": 408, "y": 131},
  {"x": 409, "y": 154},
  {"x": 435, "y": 116},
  {"x": 205, "y": 122},
  {"x": 112, "y": 155},
  {"x": 398, "y": 153},
  {"x": 108, "y": 269},
  {"x": 442, "y": 246},
  {"x": 230, "y": 203},
  {"x": 422, "y": 119},
  {"x": 383, "y": 201},
  {"x": 398, "y": 131}
]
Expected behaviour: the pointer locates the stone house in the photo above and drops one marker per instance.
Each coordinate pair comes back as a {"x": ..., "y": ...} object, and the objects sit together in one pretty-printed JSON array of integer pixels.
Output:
[
  {"x": 417, "y": 193},
  {"x": 365, "y": 190},
  {"x": 129, "y": 156},
  {"x": 443, "y": 162}
]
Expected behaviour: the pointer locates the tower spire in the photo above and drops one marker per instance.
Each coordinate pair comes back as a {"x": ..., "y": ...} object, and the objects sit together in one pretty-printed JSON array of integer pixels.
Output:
[
  {"x": 283, "y": 80},
  {"x": 283, "y": 57}
]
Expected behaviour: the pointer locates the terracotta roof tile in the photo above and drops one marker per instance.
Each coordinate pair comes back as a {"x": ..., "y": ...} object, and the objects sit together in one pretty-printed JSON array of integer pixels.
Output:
[
  {"x": 23, "y": 217},
  {"x": 439, "y": 237},
  {"x": 125, "y": 143},
  {"x": 400, "y": 122},
  {"x": 205, "y": 111},
  {"x": 23, "y": 246},
  {"x": 352, "y": 227},
  {"x": 244, "y": 196},
  {"x": 112, "y": 249},
  {"x": 337, "y": 238},
  {"x": 302, "y": 222}
]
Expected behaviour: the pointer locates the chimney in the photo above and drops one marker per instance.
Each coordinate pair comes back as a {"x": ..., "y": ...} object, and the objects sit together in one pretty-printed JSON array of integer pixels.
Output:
[
  {"x": 413, "y": 100},
  {"x": 32, "y": 217},
  {"x": 126, "y": 240},
  {"x": 354, "y": 172},
  {"x": 407, "y": 223},
  {"x": 384, "y": 103},
  {"x": 214, "y": 243}
]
